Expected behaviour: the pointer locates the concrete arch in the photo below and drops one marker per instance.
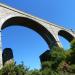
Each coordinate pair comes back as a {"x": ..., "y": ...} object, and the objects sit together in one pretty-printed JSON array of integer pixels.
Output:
[
  {"x": 69, "y": 37},
  {"x": 26, "y": 22}
]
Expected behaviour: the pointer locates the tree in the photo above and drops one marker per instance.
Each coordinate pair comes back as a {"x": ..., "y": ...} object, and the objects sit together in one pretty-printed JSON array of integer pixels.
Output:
[
  {"x": 34, "y": 72},
  {"x": 9, "y": 69},
  {"x": 73, "y": 45},
  {"x": 47, "y": 68},
  {"x": 20, "y": 69},
  {"x": 57, "y": 56},
  {"x": 61, "y": 63},
  {"x": 71, "y": 56},
  {"x": 13, "y": 69}
]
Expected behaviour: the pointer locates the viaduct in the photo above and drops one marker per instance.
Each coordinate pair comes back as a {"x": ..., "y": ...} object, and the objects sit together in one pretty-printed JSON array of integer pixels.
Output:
[{"x": 49, "y": 31}]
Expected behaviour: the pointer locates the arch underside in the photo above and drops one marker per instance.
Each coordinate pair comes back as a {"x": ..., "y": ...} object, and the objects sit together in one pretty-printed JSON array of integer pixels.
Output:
[
  {"x": 66, "y": 35},
  {"x": 26, "y": 22}
]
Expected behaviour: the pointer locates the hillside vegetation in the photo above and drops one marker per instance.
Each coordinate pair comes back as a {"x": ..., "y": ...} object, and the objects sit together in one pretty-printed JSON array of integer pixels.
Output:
[{"x": 62, "y": 62}]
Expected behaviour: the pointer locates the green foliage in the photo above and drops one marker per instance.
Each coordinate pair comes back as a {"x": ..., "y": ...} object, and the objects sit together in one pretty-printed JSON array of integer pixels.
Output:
[
  {"x": 46, "y": 68},
  {"x": 61, "y": 63},
  {"x": 72, "y": 68},
  {"x": 8, "y": 69},
  {"x": 73, "y": 45},
  {"x": 13, "y": 69},
  {"x": 71, "y": 55},
  {"x": 35, "y": 72},
  {"x": 46, "y": 72},
  {"x": 57, "y": 56},
  {"x": 46, "y": 65},
  {"x": 20, "y": 69},
  {"x": 58, "y": 53}
]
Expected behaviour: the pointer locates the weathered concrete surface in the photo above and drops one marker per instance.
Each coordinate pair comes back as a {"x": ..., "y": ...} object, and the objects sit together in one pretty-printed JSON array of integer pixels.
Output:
[{"x": 49, "y": 31}]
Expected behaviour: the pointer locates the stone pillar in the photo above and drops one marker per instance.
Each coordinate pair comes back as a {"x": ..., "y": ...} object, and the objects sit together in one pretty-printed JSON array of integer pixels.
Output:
[
  {"x": 7, "y": 56},
  {"x": 44, "y": 57},
  {"x": 1, "y": 63}
]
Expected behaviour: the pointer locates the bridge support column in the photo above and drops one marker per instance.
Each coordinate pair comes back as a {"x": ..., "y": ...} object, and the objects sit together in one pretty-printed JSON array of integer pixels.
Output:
[{"x": 1, "y": 63}]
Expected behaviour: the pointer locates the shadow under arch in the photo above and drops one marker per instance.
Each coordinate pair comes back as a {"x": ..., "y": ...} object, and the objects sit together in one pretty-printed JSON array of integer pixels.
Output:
[
  {"x": 32, "y": 24},
  {"x": 66, "y": 35}
]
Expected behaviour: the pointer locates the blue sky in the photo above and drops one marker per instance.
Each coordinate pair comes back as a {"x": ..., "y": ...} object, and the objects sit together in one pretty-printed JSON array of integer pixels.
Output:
[{"x": 24, "y": 41}]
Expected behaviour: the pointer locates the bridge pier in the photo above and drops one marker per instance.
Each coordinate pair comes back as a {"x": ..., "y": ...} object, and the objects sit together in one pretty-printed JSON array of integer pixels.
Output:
[{"x": 1, "y": 63}]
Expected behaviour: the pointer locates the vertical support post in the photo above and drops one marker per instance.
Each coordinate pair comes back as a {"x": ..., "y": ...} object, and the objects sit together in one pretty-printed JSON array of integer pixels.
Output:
[
  {"x": 1, "y": 65},
  {"x": 7, "y": 55}
]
